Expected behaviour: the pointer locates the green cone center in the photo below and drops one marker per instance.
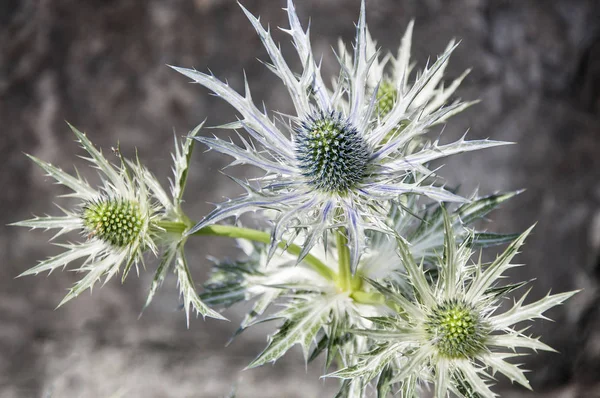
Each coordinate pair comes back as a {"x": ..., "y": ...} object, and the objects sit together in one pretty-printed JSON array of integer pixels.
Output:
[
  {"x": 117, "y": 222},
  {"x": 456, "y": 330},
  {"x": 332, "y": 154},
  {"x": 386, "y": 97}
]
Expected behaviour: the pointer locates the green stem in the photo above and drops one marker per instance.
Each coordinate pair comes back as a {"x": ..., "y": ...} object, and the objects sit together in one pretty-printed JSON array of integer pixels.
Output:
[
  {"x": 172, "y": 226},
  {"x": 344, "y": 271},
  {"x": 260, "y": 236},
  {"x": 344, "y": 279},
  {"x": 373, "y": 298}
]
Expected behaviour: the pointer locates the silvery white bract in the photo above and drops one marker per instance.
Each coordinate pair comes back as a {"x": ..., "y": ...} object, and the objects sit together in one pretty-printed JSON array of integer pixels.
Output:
[
  {"x": 451, "y": 333},
  {"x": 337, "y": 161},
  {"x": 389, "y": 76},
  {"x": 130, "y": 214},
  {"x": 316, "y": 313}
]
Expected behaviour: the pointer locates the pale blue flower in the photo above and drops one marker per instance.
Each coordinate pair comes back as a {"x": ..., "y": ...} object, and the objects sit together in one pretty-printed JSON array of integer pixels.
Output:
[{"x": 336, "y": 162}]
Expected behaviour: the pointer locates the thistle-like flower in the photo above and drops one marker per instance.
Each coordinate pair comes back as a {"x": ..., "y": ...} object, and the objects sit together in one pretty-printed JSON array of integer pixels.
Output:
[
  {"x": 129, "y": 215},
  {"x": 114, "y": 220},
  {"x": 452, "y": 333},
  {"x": 336, "y": 162}
]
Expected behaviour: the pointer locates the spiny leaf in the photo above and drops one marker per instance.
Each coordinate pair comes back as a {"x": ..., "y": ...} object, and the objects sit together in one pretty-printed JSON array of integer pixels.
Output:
[
  {"x": 166, "y": 263},
  {"x": 481, "y": 207},
  {"x": 183, "y": 158},
  {"x": 188, "y": 291},
  {"x": 488, "y": 239},
  {"x": 383, "y": 382},
  {"x": 303, "y": 320},
  {"x": 370, "y": 367}
]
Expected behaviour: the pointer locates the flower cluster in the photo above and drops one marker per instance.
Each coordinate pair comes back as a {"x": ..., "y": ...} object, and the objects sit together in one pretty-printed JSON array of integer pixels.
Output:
[{"x": 368, "y": 258}]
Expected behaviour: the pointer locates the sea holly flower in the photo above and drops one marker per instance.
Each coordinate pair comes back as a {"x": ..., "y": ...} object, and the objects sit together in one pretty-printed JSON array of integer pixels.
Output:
[
  {"x": 452, "y": 333},
  {"x": 126, "y": 217},
  {"x": 390, "y": 75},
  {"x": 335, "y": 162}
]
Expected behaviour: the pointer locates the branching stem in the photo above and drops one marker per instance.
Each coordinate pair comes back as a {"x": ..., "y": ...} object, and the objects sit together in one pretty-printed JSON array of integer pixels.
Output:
[
  {"x": 343, "y": 278},
  {"x": 260, "y": 236}
]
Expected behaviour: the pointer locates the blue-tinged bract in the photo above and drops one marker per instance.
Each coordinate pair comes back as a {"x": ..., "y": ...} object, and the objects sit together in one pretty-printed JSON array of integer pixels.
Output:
[{"x": 346, "y": 153}]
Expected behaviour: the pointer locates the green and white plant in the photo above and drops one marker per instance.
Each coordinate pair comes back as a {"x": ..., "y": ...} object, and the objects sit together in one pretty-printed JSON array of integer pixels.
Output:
[{"x": 368, "y": 260}]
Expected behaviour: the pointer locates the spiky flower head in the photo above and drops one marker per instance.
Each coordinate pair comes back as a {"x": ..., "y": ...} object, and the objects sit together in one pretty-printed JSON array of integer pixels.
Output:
[
  {"x": 452, "y": 333},
  {"x": 389, "y": 77},
  {"x": 336, "y": 162},
  {"x": 127, "y": 216},
  {"x": 331, "y": 154},
  {"x": 114, "y": 220}
]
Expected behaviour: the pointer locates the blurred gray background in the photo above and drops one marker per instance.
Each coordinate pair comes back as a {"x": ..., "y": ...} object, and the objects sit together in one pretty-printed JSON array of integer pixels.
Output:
[{"x": 100, "y": 64}]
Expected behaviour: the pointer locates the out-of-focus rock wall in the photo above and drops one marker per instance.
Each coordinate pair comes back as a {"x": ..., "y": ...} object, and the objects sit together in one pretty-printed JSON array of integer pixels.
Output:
[{"x": 100, "y": 64}]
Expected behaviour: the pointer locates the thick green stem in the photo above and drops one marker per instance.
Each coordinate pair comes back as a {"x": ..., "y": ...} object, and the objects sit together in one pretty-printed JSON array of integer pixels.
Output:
[
  {"x": 344, "y": 280},
  {"x": 372, "y": 298},
  {"x": 344, "y": 271},
  {"x": 172, "y": 226},
  {"x": 260, "y": 236}
]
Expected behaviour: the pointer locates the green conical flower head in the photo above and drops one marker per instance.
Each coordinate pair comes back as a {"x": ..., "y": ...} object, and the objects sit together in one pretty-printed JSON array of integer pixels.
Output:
[
  {"x": 386, "y": 98},
  {"x": 332, "y": 154},
  {"x": 114, "y": 221},
  {"x": 456, "y": 330}
]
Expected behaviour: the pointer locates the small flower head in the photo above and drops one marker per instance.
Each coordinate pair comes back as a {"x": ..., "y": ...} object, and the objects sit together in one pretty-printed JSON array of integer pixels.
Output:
[
  {"x": 339, "y": 160},
  {"x": 456, "y": 329},
  {"x": 387, "y": 96},
  {"x": 129, "y": 215},
  {"x": 452, "y": 333},
  {"x": 117, "y": 222}
]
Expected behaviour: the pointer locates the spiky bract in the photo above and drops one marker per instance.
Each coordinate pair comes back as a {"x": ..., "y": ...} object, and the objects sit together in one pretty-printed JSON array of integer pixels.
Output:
[
  {"x": 310, "y": 190},
  {"x": 446, "y": 330},
  {"x": 129, "y": 215}
]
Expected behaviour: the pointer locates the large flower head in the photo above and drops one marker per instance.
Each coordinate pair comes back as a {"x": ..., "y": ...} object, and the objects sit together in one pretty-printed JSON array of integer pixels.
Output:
[
  {"x": 452, "y": 332},
  {"x": 128, "y": 215},
  {"x": 336, "y": 162}
]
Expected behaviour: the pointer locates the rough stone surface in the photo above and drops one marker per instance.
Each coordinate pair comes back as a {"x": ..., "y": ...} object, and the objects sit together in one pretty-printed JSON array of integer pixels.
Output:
[{"x": 100, "y": 64}]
